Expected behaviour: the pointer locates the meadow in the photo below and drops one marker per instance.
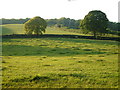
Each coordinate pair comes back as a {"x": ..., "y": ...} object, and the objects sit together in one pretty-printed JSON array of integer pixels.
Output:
[
  {"x": 9, "y": 29},
  {"x": 59, "y": 62}
]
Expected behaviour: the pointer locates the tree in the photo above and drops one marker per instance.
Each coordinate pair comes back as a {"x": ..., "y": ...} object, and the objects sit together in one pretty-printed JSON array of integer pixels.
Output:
[
  {"x": 68, "y": 23},
  {"x": 63, "y": 21},
  {"x": 35, "y": 25},
  {"x": 51, "y": 22},
  {"x": 95, "y": 22}
]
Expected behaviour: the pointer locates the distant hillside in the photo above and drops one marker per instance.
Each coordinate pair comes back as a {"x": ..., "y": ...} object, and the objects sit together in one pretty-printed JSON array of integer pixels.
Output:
[{"x": 8, "y": 29}]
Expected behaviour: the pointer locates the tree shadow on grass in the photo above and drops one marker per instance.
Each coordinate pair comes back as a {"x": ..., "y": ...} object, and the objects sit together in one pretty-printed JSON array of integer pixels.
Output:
[
  {"x": 24, "y": 50},
  {"x": 90, "y": 41},
  {"x": 75, "y": 40},
  {"x": 7, "y": 31}
]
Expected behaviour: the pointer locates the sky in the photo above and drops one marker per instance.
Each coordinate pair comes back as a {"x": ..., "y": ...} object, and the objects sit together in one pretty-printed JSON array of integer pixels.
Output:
[{"x": 50, "y": 9}]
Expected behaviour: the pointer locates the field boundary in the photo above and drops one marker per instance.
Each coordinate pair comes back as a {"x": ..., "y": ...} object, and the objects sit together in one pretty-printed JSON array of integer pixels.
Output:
[{"x": 58, "y": 36}]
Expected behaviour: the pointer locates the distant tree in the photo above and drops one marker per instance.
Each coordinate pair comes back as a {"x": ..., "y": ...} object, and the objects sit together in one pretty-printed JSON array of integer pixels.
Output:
[
  {"x": 114, "y": 26},
  {"x": 63, "y": 21},
  {"x": 69, "y": 23},
  {"x": 14, "y": 21},
  {"x": 77, "y": 24},
  {"x": 51, "y": 22},
  {"x": 58, "y": 25},
  {"x": 95, "y": 22},
  {"x": 35, "y": 25}
]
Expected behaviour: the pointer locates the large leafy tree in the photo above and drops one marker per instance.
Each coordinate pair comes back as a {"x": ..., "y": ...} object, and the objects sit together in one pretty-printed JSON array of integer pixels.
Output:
[
  {"x": 35, "y": 25},
  {"x": 95, "y": 22}
]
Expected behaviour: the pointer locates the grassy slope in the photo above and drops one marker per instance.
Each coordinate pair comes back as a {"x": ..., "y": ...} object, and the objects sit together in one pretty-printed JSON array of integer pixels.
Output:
[
  {"x": 19, "y": 29},
  {"x": 59, "y": 63},
  {"x": 12, "y": 29},
  {"x": 55, "y": 30}
]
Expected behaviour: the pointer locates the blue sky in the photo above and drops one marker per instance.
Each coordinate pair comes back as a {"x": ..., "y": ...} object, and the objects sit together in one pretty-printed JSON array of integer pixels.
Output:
[{"x": 47, "y": 9}]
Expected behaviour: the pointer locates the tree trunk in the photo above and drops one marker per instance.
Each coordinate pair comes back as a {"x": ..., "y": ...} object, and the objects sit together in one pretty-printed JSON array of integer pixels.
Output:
[
  {"x": 37, "y": 34},
  {"x": 94, "y": 33},
  {"x": 41, "y": 33}
]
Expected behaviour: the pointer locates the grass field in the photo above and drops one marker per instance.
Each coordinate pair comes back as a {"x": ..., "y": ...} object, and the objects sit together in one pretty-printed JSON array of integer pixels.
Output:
[
  {"x": 58, "y": 62},
  {"x": 8, "y": 29}
]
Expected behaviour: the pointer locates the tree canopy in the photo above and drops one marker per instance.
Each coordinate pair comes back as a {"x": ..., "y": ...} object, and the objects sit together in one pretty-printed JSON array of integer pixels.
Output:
[
  {"x": 36, "y": 25},
  {"x": 95, "y": 22}
]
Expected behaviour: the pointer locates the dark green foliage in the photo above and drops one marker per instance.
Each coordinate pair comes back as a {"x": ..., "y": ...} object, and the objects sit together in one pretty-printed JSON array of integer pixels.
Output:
[
  {"x": 35, "y": 25},
  {"x": 64, "y": 22},
  {"x": 69, "y": 23},
  {"x": 51, "y": 22},
  {"x": 14, "y": 21},
  {"x": 95, "y": 22},
  {"x": 114, "y": 26}
]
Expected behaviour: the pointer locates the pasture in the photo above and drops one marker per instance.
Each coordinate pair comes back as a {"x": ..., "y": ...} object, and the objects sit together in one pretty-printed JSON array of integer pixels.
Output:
[
  {"x": 57, "y": 62},
  {"x": 8, "y": 29}
]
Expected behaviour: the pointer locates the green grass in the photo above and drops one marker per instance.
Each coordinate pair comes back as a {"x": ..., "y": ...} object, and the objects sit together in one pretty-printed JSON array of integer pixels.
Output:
[
  {"x": 8, "y": 29},
  {"x": 59, "y": 63},
  {"x": 59, "y": 31}
]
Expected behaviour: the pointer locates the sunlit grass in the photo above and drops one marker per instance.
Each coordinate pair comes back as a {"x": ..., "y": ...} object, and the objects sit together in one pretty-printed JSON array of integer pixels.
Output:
[
  {"x": 8, "y": 29},
  {"x": 59, "y": 63}
]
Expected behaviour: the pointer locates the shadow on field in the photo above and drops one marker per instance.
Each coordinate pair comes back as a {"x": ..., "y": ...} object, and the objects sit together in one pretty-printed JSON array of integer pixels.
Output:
[
  {"x": 89, "y": 41},
  {"x": 44, "y": 50},
  {"x": 6, "y": 31},
  {"x": 58, "y": 36}
]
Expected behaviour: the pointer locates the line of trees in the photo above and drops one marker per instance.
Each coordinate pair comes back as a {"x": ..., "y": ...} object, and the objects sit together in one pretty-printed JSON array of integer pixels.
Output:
[
  {"x": 62, "y": 22},
  {"x": 13, "y": 21},
  {"x": 95, "y": 22}
]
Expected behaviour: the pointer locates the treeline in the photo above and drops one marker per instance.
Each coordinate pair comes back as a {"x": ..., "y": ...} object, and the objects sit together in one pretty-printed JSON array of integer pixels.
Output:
[
  {"x": 13, "y": 21},
  {"x": 64, "y": 22},
  {"x": 113, "y": 27}
]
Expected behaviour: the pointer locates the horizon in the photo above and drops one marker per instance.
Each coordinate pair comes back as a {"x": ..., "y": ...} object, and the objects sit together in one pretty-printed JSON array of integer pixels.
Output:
[
  {"x": 52, "y": 18},
  {"x": 55, "y": 9}
]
